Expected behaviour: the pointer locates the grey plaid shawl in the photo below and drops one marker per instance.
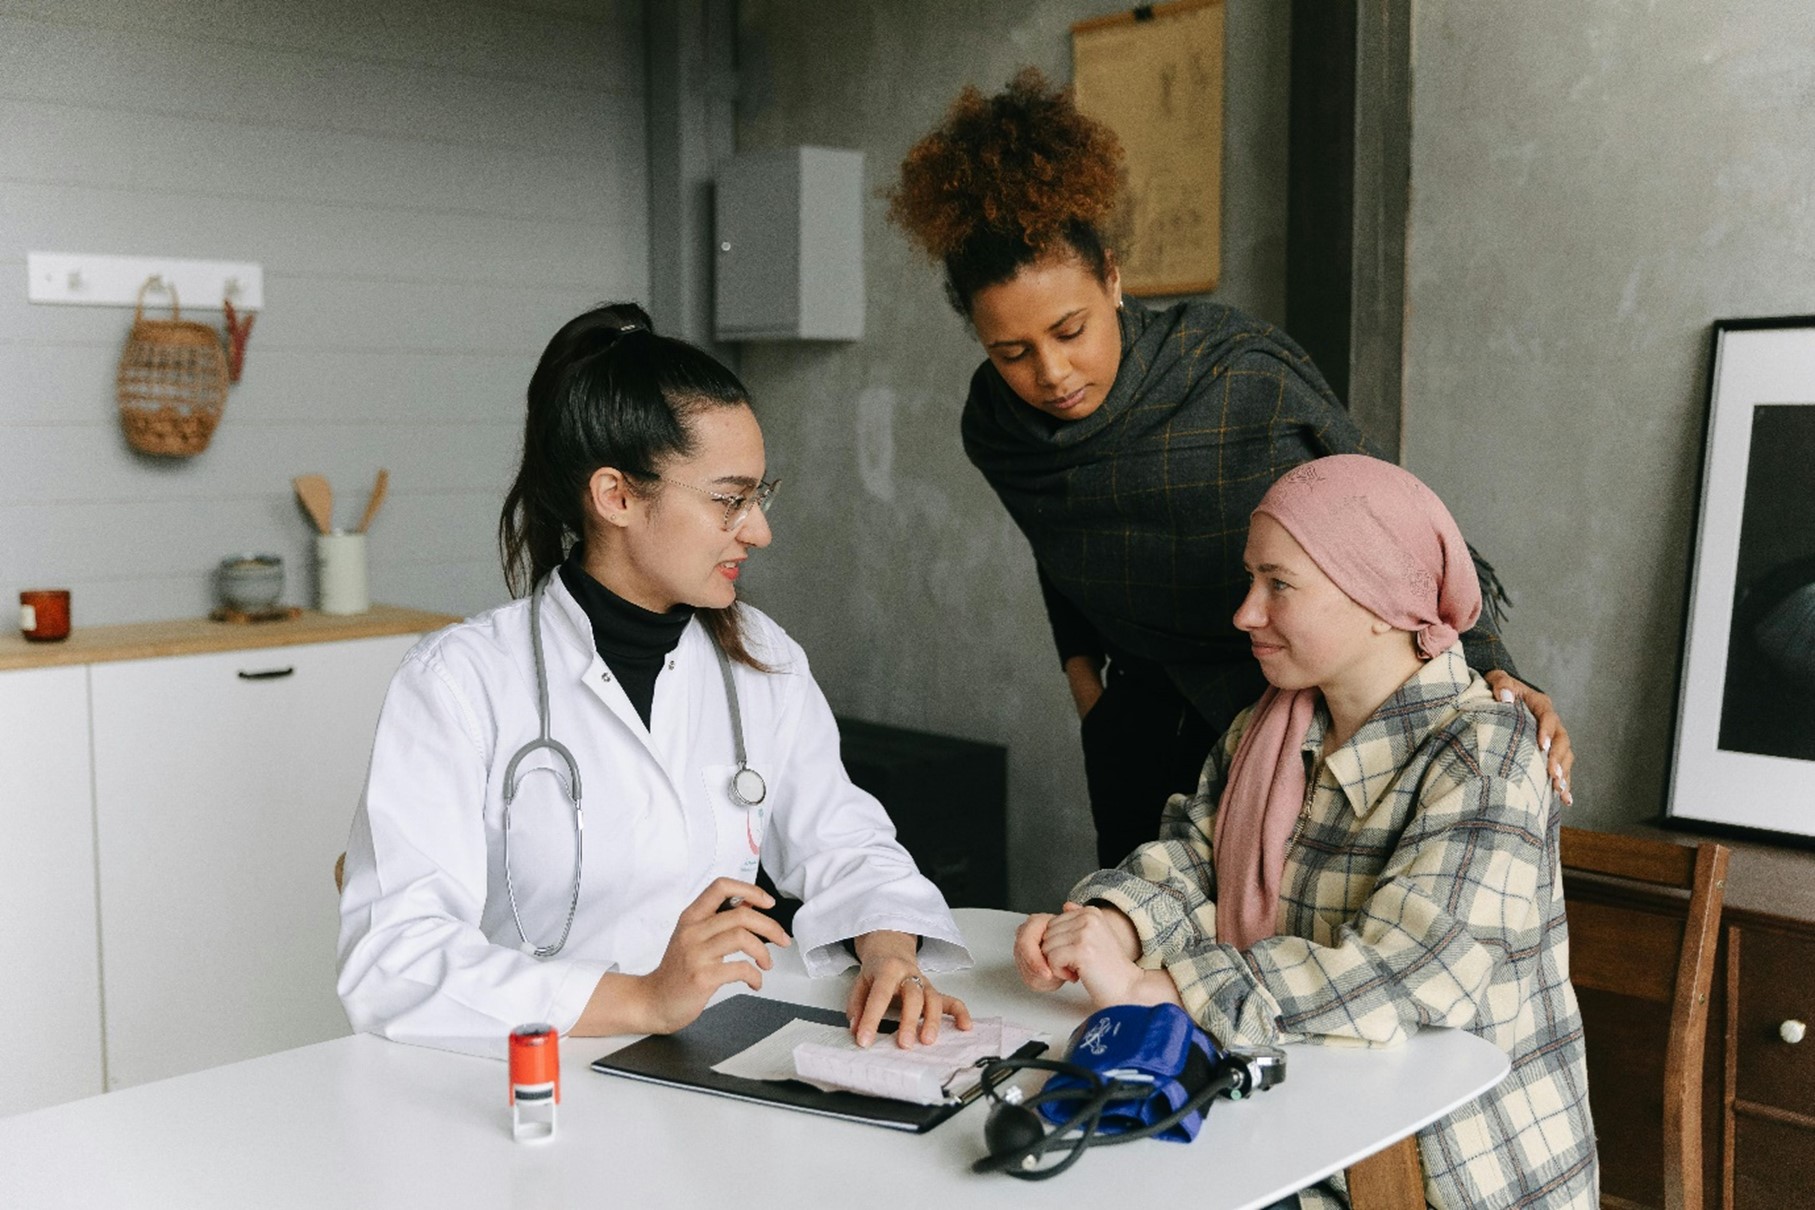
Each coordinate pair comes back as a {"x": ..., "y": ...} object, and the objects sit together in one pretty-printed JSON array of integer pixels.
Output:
[{"x": 1138, "y": 513}]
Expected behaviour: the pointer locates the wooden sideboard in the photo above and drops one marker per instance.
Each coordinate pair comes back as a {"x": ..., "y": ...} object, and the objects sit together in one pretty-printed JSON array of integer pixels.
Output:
[
  {"x": 1758, "y": 1114},
  {"x": 1768, "y": 1090},
  {"x": 200, "y": 636}
]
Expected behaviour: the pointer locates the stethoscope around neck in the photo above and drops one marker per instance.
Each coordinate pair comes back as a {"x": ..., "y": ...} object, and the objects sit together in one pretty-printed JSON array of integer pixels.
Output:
[{"x": 747, "y": 787}]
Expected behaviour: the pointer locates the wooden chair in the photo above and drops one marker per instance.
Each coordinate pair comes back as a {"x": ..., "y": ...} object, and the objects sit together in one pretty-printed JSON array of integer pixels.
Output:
[
  {"x": 1390, "y": 1179},
  {"x": 1644, "y": 922}
]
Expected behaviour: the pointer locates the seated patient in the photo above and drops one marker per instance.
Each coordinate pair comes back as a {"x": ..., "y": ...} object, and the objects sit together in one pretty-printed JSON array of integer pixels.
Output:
[
  {"x": 1372, "y": 847},
  {"x": 699, "y": 743}
]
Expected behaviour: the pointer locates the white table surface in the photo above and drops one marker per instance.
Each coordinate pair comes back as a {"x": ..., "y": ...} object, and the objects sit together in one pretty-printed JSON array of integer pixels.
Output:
[{"x": 362, "y": 1122}]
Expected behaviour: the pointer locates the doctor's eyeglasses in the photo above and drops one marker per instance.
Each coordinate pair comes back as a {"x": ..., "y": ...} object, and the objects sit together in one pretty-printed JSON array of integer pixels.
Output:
[{"x": 738, "y": 506}]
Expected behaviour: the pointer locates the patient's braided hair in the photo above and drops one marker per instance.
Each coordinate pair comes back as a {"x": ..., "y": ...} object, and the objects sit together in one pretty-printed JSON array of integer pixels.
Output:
[{"x": 1009, "y": 181}]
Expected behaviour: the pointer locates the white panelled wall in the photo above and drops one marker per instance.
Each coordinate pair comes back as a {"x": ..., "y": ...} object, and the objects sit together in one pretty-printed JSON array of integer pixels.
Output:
[{"x": 432, "y": 188}]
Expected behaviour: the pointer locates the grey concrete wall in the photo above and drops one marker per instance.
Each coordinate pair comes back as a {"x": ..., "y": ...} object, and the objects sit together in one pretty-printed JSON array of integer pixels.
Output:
[
  {"x": 1593, "y": 182},
  {"x": 893, "y": 563},
  {"x": 431, "y": 189}
]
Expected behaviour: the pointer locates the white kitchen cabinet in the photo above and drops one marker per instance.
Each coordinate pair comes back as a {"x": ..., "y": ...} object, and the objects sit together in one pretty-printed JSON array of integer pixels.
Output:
[
  {"x": 172, "y": 799},
  {"x": 50, "y": 1005},
  {"x": 224, "y": 786}
]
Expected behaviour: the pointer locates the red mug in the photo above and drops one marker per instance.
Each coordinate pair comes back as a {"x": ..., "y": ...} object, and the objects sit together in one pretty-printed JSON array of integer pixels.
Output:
[{"x": 44, "y": 614}]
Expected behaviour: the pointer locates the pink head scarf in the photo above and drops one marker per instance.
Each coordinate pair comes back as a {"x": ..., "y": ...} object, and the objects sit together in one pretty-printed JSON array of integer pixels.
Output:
[{"x": 1385, "y": 539}]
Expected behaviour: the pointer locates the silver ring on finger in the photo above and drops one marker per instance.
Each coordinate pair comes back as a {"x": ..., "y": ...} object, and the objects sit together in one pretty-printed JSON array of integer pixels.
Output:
[{"x": 916, "y": 980}]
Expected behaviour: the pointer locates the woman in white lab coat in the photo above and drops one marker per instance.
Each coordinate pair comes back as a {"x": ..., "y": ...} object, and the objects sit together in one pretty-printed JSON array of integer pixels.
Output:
[{"x": 639, "y": 497}]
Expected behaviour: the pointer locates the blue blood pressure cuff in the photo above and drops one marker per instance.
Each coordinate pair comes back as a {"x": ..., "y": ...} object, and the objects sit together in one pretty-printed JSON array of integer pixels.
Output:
[
  {"x": 1132, "y": 1073},
  {"x": 1135, "y": 1045}
]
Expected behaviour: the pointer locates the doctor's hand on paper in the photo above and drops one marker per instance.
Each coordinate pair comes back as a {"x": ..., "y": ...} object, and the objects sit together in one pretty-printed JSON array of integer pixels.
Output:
[
  {"x": 694, "y": 965},
  {"x": 891, "y": 973}
]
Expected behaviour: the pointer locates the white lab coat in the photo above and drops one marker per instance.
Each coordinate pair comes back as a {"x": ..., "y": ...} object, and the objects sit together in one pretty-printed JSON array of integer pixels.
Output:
[{"x": 428, "y": 950}]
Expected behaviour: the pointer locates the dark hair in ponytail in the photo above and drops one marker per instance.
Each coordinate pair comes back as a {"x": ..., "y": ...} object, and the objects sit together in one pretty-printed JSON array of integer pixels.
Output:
[{"x": 607, "y": 392}]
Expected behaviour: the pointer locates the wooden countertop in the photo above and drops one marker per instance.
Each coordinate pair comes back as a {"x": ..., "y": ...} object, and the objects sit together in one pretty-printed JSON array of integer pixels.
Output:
[{"x": 195, "y": 636}]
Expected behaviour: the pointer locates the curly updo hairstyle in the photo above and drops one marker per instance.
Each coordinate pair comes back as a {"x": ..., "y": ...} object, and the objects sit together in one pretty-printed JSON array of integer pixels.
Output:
[{"x": 1009, "y": 181}]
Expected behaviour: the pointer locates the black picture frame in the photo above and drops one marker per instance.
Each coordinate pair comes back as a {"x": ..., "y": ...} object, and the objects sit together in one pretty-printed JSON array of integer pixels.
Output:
[{"x": 1743, "y": 754}]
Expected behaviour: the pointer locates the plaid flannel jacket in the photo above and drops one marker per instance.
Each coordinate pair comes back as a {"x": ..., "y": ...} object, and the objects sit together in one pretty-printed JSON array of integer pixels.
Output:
[{"x": 1423, "y": 888}]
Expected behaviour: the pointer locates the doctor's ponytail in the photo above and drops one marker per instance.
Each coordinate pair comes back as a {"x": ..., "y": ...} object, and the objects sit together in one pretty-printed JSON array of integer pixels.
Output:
[{"x": 607, "y": 392}]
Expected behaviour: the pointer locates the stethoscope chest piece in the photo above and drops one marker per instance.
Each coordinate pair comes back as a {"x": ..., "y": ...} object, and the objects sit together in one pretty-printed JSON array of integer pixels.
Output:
[{"x": 748, "y": 787}]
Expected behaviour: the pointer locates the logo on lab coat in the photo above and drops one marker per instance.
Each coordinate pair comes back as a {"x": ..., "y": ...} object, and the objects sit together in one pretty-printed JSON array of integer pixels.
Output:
[
  {"x": 755, "y": 819},
  {"x": 740, "y": 828}
]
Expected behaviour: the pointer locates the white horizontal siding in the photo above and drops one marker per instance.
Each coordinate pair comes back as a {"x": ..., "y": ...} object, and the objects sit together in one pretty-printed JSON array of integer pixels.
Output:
[
  {"x": 58, "y": 143},
  {"x": 50, "y": 384},
  {"x": 499, "y": 41},
  {"x": 431, "y": 189}
]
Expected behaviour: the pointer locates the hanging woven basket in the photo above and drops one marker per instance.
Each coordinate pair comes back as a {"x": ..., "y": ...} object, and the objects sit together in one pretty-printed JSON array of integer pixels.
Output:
[{"x": 172, "y": 382}]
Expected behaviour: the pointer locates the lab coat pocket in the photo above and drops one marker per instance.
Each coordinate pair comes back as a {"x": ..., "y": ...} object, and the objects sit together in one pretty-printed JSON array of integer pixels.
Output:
[{"x": 740, "y": 828}]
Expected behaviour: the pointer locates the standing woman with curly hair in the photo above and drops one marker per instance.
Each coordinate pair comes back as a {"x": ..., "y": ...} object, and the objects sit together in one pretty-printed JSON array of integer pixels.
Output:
[{"x": 1130, "y": 445}]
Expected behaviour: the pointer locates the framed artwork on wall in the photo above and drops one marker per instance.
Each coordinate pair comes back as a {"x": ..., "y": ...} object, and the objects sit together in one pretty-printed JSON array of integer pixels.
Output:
[
  {"x": 1154, "y": 75},
  {"x": 1744, "y": 751}
]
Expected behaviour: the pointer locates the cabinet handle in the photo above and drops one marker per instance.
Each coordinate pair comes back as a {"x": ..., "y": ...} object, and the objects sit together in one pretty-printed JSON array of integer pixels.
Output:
[
  {"x": 1792, "y": 1031},
  {"x": 268, "y": 674}
]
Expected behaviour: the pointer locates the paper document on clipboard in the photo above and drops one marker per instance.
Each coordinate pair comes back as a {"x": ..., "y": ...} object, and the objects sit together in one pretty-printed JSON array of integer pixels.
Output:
[
  {"x": 689, "y": 1057},
  {"x": 827, "y": 1057}
]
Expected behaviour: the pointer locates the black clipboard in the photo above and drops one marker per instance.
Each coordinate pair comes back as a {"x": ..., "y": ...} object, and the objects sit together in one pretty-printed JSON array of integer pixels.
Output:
[{"x": 684, "y": 1060}]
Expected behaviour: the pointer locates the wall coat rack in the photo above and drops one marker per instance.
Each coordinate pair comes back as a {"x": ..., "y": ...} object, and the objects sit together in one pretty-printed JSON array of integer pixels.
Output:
[{"x": 76, "y": 279}]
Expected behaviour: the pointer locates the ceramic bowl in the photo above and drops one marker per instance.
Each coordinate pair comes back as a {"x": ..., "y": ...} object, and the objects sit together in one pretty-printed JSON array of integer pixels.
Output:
[{"x": 250, "y": 583}]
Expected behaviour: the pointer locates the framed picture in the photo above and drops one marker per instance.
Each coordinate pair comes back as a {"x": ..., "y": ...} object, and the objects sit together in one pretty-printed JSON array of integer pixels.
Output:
[
  {"x": 1154, "y": 75},
  {"x": 1745, "y": 728}
]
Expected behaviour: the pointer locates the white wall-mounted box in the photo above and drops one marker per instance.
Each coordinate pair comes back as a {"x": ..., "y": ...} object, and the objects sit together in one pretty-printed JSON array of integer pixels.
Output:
[{"x": 789, "y": 239}]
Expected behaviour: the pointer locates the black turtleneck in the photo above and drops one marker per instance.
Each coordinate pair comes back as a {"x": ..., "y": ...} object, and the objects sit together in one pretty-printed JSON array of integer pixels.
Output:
[{"x": 631, "y": 640}]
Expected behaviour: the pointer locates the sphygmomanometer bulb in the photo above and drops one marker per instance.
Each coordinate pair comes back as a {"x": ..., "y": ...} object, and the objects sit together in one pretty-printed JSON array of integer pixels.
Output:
[{"x": 1011, "y": 1131}]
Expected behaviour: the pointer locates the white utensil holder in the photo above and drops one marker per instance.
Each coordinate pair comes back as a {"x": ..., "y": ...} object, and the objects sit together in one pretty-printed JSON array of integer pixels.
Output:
[{"x": 340, "y": 573}]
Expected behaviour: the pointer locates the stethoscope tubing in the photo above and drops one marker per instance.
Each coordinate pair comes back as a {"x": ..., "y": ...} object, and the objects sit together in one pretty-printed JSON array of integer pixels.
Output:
[
  {"x": 544, "y": 740},
  {"x": 747, "y": 788}
]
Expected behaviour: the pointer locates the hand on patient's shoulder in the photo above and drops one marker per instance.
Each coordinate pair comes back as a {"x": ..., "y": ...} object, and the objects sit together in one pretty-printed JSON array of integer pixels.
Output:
[{"x": 1553, "y": 737}]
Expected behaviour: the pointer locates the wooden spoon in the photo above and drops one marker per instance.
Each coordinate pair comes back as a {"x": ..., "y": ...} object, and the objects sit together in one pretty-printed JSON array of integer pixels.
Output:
[
  {"x": 378, "y": 490},
  {"x": 317, "y": 500}
]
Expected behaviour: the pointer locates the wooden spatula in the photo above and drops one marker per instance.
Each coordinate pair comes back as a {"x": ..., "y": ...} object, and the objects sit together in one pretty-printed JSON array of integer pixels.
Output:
[
  {"x": 317, "y": 500},
  {"x": 378, "y": 490}
]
